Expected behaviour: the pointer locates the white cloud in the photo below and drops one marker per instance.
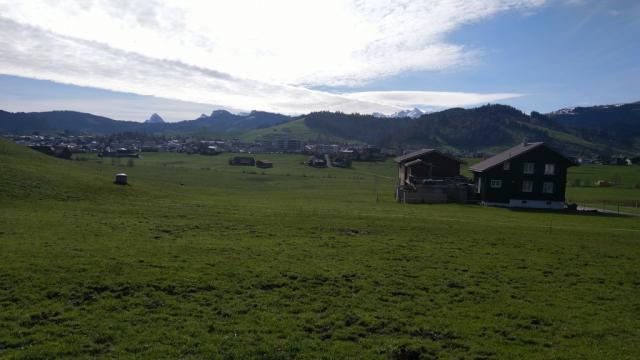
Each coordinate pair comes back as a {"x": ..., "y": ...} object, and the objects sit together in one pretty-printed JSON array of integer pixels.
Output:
[
  {"x": 431, "y": 99},
  {"x": 242, "y": 53},
  {"x": 286, "y": 41},
  {"x": 44, "y": 55}
]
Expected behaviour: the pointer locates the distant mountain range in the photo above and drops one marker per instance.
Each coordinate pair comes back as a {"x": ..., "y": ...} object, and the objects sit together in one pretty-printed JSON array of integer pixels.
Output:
[
  {"x": 597, "y": 129},
  {"x": 51, "y": 122}
]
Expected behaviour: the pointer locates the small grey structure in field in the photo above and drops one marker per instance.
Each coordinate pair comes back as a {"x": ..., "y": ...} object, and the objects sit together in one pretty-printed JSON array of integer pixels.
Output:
[{"x": 121, "y": 179}]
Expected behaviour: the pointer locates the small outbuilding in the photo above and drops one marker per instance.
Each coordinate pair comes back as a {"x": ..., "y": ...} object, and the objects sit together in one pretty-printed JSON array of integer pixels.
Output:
[
  {"x": 264, "y": 164},
  {"x": 121, "y": 179},
  {"x": 341, "y": 162},
  {"x": 603, "y": 183},
  {"x": 317, "y": 162},
  {"x": 242, "y": 161},
  {"x": 119, "y": 153}
]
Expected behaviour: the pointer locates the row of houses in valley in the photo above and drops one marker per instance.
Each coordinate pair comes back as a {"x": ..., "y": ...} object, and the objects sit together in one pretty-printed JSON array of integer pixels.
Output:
[
  {"x": 531, "y": 175},
  {"x": 250, "y": 161}
]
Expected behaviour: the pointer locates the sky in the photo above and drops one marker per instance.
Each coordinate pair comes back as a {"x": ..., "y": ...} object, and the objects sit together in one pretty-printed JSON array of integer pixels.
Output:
[{"x": 126, "y": 59}]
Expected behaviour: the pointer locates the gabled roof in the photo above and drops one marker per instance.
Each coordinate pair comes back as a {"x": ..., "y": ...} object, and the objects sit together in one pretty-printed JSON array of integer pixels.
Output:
[
  {"x": 417, "y": 154},
  {"x": 510, "y": 154},
  {"x": 413, "y": 162}
]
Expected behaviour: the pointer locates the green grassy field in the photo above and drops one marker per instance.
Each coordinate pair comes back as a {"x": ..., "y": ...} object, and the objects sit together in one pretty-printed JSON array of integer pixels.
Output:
[
  {"x": 623, "y": 194},
  {"x": 198, "y": 259}
]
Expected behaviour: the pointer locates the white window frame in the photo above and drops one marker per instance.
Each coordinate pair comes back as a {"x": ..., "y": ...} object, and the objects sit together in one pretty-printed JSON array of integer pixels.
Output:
[
  {"x": 549, "y": 169},
  {"x": 478, "y": 184},
  {"x": 496, "y": 183},
  {"x": 527, "y": 189},
  {"x": 506, "y": 165},
  {"x": 548, "y": 187},
  {"x": 528, "y": 168}
]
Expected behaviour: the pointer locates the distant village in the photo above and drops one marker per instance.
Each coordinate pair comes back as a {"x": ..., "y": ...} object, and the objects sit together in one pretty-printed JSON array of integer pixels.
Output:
[
  {"x": 132, "y": 145},
  {"x": 113, "y": 146}
]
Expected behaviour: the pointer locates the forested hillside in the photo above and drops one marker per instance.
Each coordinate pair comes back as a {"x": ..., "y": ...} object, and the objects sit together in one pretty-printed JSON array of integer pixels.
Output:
[
  {"x": 614, "y": 125},
  {"x": 483, "y": 128}
]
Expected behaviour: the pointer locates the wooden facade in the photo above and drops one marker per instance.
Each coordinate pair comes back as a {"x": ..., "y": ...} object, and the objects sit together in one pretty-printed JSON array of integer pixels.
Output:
[
  {"x": 264, "y": 164},
  {"x": 242, "y": 161},
  {"x": 429, "y": 176},
  {"x": 427, "y": 163},
  {"x": 528, "y": 175},
  {"x": 62, "y": 152}
]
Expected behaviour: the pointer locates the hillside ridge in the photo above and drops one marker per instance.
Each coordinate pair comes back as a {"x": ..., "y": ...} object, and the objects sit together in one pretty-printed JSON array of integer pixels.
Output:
[{"x": 603, "y": 128}]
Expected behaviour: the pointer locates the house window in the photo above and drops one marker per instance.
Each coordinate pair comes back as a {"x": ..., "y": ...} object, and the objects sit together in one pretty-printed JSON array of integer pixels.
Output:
[
  {"x": 478, "y": 185},
  {"x": 528, "y": 168},
  {"x": 549, "y": 169},
  {"x": 527, "y": 186},
  {"x": 496, "y": 184},
  {"x": 547, "y": 188},
  {"x": 507, "y": 165}
]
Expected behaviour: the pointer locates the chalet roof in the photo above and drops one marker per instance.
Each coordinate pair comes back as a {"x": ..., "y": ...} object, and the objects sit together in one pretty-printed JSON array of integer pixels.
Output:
[
  {"x": 413, "y": 162},
  {"x": 508, "y": 155},
  {"x": 418, "y": 153}
]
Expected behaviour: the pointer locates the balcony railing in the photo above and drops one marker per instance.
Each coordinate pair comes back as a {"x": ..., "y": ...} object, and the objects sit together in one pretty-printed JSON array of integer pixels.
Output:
[{"x": 415, "y": 180}]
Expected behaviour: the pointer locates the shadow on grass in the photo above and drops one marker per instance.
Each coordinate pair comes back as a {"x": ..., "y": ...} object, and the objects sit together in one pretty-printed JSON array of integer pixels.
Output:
[{"x": 594, "y": 212}]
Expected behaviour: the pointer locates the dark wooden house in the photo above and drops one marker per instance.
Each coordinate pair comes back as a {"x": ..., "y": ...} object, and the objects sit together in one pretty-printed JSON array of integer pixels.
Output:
[
  {"x": 62, "y": 152},
  {"x": 370, "y": 154},
  {"x": 264, "y": 164},
  {"x": 120, "y": 153},
  {"x": 430, "y": 176},
  {"x": 317, "y": 162},
  {"x": 528, "y": 175},
  {"x": 242, "y": 161}
]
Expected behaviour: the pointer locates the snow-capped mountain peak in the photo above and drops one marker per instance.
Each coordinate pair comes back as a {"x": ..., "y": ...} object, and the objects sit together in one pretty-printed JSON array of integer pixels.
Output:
[
  {"x": 410, "y": 113},
  {"x": 413, "y": 113}
]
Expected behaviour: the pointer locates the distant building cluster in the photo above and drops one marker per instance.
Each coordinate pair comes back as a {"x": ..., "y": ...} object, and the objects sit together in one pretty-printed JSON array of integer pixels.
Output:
[
  {"x": 338, "y": 155},
  {"x": 131, "y": 145}
]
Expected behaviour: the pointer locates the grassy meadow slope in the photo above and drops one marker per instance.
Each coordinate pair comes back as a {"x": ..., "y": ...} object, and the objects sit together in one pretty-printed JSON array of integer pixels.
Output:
[
  {"x": 196, "y": 259},
  {"x": 296, "y": 129}
]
